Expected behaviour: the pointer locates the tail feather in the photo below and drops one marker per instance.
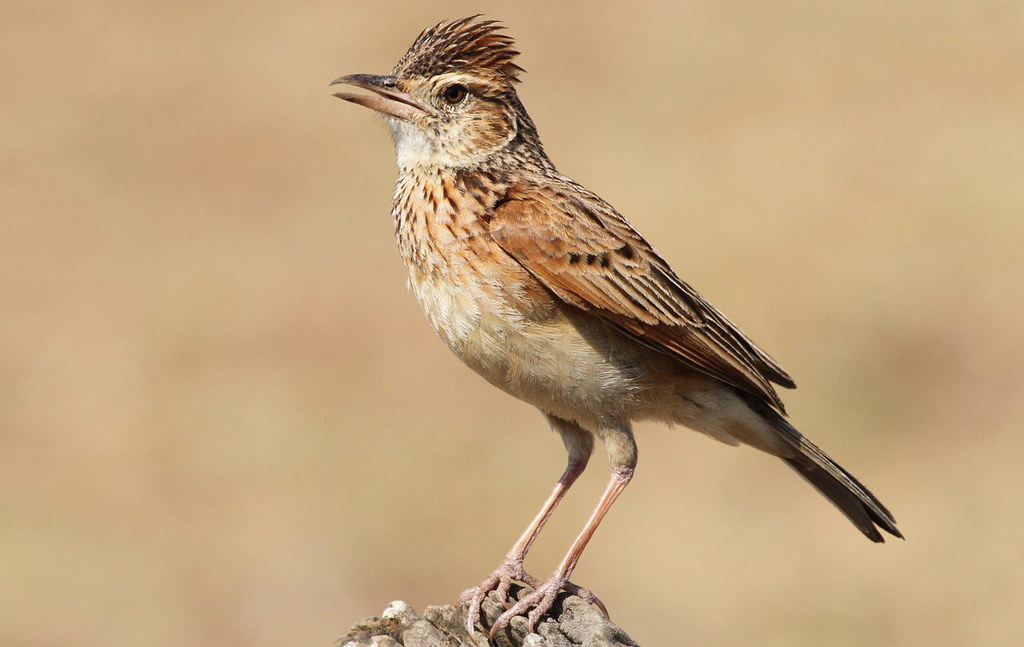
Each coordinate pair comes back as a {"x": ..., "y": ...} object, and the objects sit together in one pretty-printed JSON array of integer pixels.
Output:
[
  {"x": 837, "y": 485},
  {"x": 845, "y": 492}
]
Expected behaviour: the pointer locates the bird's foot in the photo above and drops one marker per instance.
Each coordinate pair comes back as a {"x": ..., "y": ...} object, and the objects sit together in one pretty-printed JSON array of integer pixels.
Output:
[
  {"x": 541, "y": 599},
  {"x": 510, "y": 570}
]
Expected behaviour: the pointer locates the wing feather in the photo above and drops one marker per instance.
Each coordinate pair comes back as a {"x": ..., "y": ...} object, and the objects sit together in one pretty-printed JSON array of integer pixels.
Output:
[{"x": 582, "y": 250}]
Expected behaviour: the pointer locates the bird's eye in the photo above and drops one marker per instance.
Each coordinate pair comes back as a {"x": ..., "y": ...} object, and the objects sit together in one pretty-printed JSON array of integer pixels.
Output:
[{"x": 454, "y": 93}]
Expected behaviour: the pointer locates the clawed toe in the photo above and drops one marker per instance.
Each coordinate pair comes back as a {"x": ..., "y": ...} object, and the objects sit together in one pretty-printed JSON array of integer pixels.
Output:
[
  {"x": 538, "y": 602},
  {"x": 533, "y": 604},
  {"x": 587, "y": 596},
  {"x": 500, "y": 582}
]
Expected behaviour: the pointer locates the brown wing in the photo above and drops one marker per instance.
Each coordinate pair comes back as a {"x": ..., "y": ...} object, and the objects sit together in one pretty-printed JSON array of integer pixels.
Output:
[{"x": 581, "y": 249}]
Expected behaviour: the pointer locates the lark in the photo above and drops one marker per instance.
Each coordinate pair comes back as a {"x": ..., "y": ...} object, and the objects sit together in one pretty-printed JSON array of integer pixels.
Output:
[{"x": 549, "y": 294}]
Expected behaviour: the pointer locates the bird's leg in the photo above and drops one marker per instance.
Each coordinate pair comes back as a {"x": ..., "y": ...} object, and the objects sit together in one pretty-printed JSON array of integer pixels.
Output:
[
  {"x": 579, "y": 443},
  {"x": 511, "y": 568},
  {"x": 622, "y": 454}
]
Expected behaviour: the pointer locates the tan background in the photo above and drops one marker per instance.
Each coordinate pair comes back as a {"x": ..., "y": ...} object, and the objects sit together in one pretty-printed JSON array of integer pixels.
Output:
[{"x": 225, "y": 422}]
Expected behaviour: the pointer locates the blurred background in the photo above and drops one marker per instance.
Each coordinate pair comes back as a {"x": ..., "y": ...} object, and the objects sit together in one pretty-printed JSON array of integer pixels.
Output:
[{"x": 224, "y": 420}]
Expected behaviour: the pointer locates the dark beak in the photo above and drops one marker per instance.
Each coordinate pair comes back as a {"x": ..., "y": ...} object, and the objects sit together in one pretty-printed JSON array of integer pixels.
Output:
[{"x": 387, "y": 98}]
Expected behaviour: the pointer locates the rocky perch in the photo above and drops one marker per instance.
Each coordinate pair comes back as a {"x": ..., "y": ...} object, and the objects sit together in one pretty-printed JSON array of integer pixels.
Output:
[{"x": 572, "y": 622}]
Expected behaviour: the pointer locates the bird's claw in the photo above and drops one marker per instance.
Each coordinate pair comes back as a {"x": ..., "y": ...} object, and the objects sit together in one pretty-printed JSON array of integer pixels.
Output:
[
  {"x": 541, "y": 599},
  {"x": 587, "y": 596},
  {"x": 500, "y": 581}
]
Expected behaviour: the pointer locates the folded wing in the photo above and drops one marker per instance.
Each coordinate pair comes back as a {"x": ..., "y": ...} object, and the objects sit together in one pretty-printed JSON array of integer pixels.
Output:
[{"x": 582, "y": 250}]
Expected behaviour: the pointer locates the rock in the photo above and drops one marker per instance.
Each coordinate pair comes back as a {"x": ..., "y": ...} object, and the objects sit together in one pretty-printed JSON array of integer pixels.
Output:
[{"x": 572, "y": 622}]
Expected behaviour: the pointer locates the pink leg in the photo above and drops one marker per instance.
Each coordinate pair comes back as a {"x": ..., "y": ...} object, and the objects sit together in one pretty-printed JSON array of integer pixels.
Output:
[
  {"x": 573, "y": 469},
  {"x": 622, "y": 452},
  {"x": 579, "y": 444}
]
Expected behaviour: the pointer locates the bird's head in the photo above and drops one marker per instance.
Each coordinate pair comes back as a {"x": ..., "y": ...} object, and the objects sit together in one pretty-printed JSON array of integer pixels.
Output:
[{"x": 450, "y": 102}]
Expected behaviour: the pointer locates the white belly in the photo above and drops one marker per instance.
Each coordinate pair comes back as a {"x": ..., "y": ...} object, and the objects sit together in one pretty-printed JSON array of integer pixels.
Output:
[{"x": 553, "y": 364}]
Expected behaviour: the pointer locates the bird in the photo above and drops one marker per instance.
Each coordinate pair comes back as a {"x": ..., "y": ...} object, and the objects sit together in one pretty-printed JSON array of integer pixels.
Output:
[{"x": 548, "y": 293}]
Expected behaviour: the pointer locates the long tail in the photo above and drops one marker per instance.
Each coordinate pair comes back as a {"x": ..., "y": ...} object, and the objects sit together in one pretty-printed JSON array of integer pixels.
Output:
[
  {"x": 846, "y": 493},
  {"x": 839, "y": 486}
]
